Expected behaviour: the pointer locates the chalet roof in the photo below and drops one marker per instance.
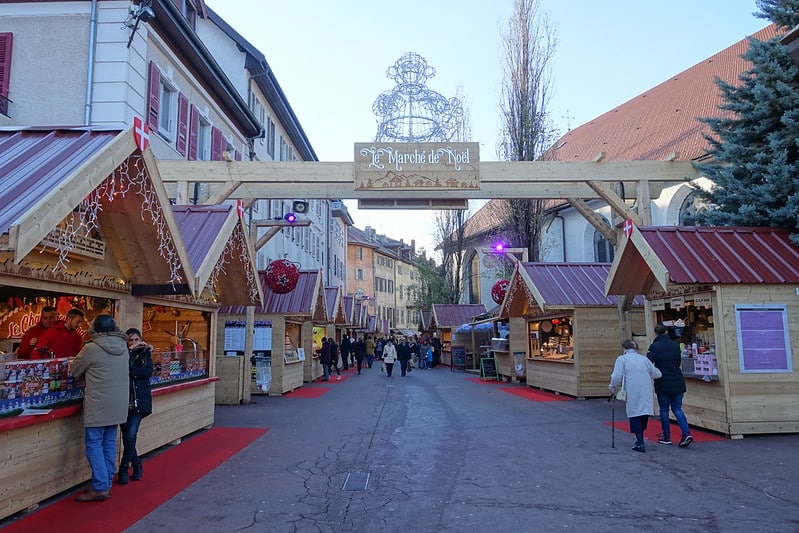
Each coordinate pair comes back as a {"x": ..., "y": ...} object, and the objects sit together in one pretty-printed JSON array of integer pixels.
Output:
[
  {"x": 220, "y": 252},
  {"x": 334, "y": 306},
  {"x": 306, "y": 300},
  {"x": 454, "y": 315},
  {"x": 348, "y": 303},
  {"x": 662, "y": 120},
  {"x": 702, "y": 255},
  {"x": 558, "y": 285},
  {"x": 46, "y": 174}
]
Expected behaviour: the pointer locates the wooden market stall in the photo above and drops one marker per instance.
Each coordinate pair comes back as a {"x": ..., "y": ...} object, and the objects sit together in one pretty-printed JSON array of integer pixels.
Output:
[
  {"x": 730, "y": 296},
  {"x": 445, "y": 319},
  {"x": 89, "y": 225},
  {"x": 565, "y": 327},
  {"x": 285, "y": 322}
]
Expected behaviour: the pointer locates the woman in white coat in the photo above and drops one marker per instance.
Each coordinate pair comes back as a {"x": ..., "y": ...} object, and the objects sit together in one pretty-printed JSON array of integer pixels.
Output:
[{"x": 637, "y": 373}]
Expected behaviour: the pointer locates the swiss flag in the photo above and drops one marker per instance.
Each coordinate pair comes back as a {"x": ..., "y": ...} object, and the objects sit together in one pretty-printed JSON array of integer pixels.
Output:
[
  {"x": 240, "y": 208},
  {"x": 141, "y": 133},
  {"x": 628, "y": 227}
]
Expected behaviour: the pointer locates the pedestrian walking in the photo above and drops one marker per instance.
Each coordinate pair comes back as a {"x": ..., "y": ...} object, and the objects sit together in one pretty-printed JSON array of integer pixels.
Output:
[
  {"x": 634, "y": 373},
  {"x": 369, "y": 345},
  {"x": 404, "y": 356},
  {"x": 389, "y": 356},
  {"x": 360, "y": 353},
  {"x": 670, "y": 389},
  {"x": 346, "y": 345}
]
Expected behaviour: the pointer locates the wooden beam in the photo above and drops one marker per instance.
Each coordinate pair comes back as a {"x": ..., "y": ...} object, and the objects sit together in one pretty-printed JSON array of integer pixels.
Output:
[
  {"x": 224, "y": 193},
  {"x": 595, "y": 220},
  {"x": 614, "y": 200},
  {"x": 274, "y": 225},
  {"x": 498, "y": 179}
]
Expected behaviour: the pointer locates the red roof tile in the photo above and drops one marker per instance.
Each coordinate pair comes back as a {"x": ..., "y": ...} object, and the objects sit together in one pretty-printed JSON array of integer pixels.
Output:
[
  {"x": 724, "y": 254},
  {"x": 200, "y": 226},
  {"x": 662, "y": 120},
  {"x": 307, "y": 298}
]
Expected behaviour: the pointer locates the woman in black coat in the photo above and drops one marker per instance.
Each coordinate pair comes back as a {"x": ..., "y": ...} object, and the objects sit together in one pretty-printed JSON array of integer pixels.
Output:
[
  {"x": 670, "y": 388},
  {"x": 140, "y": 405}
]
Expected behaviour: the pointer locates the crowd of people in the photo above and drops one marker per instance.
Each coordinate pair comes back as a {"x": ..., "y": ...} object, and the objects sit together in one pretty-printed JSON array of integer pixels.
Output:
[{"x": 362, "y": 351}]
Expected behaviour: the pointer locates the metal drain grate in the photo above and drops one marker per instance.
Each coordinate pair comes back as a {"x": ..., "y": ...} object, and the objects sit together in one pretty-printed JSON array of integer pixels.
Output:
[{"x": 356, "y": 481}]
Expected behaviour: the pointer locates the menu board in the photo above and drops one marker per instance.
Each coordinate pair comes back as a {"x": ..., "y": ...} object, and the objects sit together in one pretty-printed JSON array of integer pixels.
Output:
[
  {"x": 763, "y": 341},
  {"x": 235, "y": 331}
]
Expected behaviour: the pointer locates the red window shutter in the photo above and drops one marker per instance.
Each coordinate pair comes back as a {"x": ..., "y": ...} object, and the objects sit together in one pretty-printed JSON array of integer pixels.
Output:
[
  {"x": 237, "y": 155},
  {"x": 183, "y": 124},
  {"x": 5, "y": 70},
  {"x": 216, "y": 144},
  {"x": 153, "y": 96},
  {"x": 194, "y": 132}
]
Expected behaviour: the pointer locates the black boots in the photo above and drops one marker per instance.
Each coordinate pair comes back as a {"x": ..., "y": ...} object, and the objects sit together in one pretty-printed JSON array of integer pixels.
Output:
[
  {"x": 122, "y": 475},
  {"x": 137, "y": 471}
]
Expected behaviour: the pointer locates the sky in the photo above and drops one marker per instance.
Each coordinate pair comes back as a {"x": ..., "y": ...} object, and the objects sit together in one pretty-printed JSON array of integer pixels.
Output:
[{"x": 330, "y": 58}]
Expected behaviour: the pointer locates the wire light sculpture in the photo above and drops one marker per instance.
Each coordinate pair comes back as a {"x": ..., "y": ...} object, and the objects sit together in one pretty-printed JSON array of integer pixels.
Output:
[{"x": 411, "y": 112}]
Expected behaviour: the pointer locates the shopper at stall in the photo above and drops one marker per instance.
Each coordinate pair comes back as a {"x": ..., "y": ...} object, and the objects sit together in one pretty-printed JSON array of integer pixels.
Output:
[
  {"x": 436, "y": 344},
  {"x": 334, "y": 358},
  {"x": 62, "y": 339},
  {"x": 346, "y": 344},
  {"x": 324, "y": 358},
  {"x": 47, "y": 318},
  {"x": 140, "y": 404},
  {"x": 634, "y": 373},
  {"x": 389, "y": 356},
  {"x": 103, "y": 364},
  {"x": 670, "y": 389}
]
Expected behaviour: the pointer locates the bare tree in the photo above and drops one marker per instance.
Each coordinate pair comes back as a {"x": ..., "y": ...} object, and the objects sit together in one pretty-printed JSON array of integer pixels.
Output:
[
  {"x": 529, "y": 46},
  {"x": 450, "y": 232}
]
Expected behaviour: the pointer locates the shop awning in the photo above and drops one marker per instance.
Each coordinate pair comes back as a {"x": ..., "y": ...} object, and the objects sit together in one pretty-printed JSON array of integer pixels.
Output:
[{"x": 658, "y": 257}]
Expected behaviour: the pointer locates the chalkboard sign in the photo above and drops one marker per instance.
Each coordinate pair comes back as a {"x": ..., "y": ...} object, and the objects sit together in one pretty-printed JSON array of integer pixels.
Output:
[
  {"x": 458, "y": 358},
  {"x": 488, "y": 368}
]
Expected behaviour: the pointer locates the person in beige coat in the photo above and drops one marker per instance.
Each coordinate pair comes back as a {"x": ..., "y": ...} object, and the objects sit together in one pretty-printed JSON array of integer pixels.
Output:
[
  {"x": 103, "y": 363},
  {"x": 637, "y": 373}
]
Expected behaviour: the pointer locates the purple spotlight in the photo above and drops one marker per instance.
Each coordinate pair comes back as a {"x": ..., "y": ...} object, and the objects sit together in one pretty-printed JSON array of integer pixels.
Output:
[
  {"x": 498, "y": 247},
  {"x": 291, "y": 218}
]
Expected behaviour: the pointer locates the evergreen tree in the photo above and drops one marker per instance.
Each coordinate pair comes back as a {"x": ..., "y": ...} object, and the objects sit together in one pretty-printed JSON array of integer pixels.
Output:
[
  {"x": 784, "y": 13},
  {"x": 755, "y": 170}
]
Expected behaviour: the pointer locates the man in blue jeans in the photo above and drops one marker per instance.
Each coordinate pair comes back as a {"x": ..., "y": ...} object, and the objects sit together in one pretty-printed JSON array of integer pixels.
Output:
[
  {"x": 665, "y": 354},
  {"x": 103, "y": 363}
]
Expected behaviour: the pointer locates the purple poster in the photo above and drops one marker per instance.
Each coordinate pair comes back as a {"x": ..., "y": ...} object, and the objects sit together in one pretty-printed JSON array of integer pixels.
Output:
[{"x": 763, "y": 342}]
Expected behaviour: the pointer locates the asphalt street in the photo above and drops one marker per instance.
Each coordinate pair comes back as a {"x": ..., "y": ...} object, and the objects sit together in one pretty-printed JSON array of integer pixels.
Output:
[{"x": 437, "y": 452}]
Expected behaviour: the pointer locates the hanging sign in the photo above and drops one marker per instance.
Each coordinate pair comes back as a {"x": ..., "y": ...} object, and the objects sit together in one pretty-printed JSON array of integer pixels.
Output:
[
  {"x": 677, "y": 302},
  {"x": 141, "y": 133},
  {"x": 702, "y": 299},
  {"x": 658, "y": 305}
]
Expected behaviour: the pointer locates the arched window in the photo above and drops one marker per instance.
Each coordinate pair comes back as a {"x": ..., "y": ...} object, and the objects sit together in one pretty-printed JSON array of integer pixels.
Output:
[
  {"x": 690, "y": 207},
  {"x": 474, "y": 279},
  {"x": 603, "y": 250}
]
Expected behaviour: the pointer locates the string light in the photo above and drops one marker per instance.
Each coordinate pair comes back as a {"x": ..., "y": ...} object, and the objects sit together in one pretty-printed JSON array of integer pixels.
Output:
[
  {"x": 236, "y": 243},
  {"x": 130, "y": 177}
]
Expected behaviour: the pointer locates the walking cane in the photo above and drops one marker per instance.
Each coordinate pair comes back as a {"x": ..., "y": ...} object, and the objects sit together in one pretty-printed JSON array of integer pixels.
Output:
[{"x": 612, "y": 401}]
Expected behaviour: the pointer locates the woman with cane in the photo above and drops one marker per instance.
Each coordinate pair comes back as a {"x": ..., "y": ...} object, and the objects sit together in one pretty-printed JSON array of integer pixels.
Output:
[{"x": 634, "y": 374}]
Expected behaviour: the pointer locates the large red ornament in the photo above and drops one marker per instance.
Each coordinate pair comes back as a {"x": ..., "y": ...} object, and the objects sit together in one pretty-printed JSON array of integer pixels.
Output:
[
  {"x": 499, "y": 290},
  {"x": 282, "y": 276}
]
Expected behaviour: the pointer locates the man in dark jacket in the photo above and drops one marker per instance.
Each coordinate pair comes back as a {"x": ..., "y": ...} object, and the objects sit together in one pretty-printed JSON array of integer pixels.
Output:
[
  {"x": 665, "y": 354},
  {"x": 404, "y": 355}
]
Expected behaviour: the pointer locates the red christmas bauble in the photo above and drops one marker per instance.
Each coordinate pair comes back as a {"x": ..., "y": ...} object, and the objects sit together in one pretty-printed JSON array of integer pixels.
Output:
[
  {"x": 282, "y": 276},
  {"x": 499, "y": 289}
]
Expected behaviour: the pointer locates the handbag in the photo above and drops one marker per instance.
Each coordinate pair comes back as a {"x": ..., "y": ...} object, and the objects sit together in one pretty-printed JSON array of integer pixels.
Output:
[{"x": 621, "y": 394}]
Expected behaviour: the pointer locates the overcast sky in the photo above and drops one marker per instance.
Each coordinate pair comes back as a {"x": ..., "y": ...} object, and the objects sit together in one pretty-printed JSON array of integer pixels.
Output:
[{"x": 330, "y": 59}]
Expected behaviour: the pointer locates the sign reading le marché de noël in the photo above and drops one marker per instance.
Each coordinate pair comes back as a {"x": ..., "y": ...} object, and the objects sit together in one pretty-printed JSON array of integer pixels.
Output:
[{"x": 417, "y": 166}]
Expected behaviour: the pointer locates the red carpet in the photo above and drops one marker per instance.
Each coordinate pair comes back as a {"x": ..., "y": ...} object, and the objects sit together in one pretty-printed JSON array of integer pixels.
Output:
[
  {"x": 165, "y": 475},
  {"x": 653, "y": 430},
  {"x": 307, "y": 392},
  {"x": 535, "y": 394},
  {"x": 333, "y": 380},
  {"x": 483, "y": 381}
]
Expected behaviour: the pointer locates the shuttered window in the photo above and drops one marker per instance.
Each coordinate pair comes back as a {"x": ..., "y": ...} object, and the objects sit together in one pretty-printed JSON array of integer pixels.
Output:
[
  {"x": 194, "y": 132},
  {"x": 153, "y": 96},
  {"x": 217, "y": 144},
  {"x": 183, "y": 124},
  {"x": 5, "y": 70}
]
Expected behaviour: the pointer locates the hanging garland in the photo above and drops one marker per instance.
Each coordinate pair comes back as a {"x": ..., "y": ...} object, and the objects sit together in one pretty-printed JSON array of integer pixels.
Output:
[
  {"x": 499, "y": 290},
  {"x": 282, "y": 276}
]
